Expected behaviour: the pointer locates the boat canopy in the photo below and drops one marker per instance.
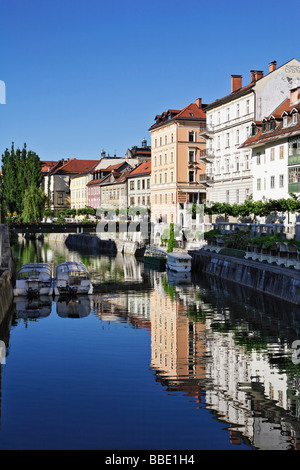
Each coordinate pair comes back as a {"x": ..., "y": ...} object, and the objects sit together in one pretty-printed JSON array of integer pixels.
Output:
[
  {"x": 40, "y": 271},
  {"x": 71, "y": 268}
]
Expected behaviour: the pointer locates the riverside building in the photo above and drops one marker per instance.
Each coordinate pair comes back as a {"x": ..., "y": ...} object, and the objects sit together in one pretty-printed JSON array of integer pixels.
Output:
[
  {"x": 229, "y": 123},
  {"x": 176, "y": 170}
]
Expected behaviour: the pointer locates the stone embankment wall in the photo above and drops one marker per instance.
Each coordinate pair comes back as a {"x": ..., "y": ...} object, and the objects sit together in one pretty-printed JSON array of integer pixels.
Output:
[
  {"x": 283, "y": 283},
  {"x": 6, "y": 272}
]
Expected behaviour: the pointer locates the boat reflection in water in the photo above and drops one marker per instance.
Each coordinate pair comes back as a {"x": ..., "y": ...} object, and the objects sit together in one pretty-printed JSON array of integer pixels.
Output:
[
  {"x": 179, "y": 278},
  {"x": 76, "y": 307},
  {"x": 39, "y": 307}
]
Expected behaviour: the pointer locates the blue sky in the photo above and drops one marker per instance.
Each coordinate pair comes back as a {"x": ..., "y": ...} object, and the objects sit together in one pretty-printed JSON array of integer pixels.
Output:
[{"x": 82, "y": 76}]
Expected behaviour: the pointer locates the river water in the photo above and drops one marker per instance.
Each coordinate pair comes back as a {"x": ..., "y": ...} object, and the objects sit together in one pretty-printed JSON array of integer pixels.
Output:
[{"x": 148, "y": 363}]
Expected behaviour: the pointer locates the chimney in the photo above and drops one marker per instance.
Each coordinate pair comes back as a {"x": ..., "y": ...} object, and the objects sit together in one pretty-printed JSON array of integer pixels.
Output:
[
  {"x": 272, "y": 66},
  {"x": 294, "y": 95},
  {"x": 252, "y": 76},
  {"x": 199, "y": 102},
  {"x": 258, "y": 74},
  {"x": 236, "y": 82}
]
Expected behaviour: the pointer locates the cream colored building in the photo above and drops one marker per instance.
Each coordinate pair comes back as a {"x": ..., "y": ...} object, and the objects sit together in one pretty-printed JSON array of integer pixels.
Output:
[
  {"x": 78, "y": 190},
  {"x": 176, "y": 169}
]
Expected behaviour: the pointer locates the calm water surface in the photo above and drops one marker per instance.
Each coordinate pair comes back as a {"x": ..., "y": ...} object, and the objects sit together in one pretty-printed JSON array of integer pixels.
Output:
[{"x": 148, "y": 363}]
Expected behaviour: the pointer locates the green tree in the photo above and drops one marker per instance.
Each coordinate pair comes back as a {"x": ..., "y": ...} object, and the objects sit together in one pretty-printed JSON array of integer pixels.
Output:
[
  {"x": 171, "y": 241},
  {"x": 35, "y": 202}
]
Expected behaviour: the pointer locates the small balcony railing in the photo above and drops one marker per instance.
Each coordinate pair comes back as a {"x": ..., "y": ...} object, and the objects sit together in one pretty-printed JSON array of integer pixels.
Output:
[
  {"x": 207, "y": 131},
  {"x": 207, "y": 155},
  {"x": 294, "y": 159}
]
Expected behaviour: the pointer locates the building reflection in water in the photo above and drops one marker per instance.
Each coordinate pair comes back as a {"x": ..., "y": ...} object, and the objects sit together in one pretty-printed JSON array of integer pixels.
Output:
[{"x": 227, "y": 347}]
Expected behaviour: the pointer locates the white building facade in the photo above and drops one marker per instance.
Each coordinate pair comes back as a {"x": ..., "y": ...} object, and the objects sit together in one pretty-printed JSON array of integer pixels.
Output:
[{"x": 229, "y": 124}]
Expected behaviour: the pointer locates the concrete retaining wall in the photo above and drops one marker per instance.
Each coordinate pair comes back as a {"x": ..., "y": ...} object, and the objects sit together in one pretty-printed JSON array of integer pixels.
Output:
[{"x": 279, "y": 282}]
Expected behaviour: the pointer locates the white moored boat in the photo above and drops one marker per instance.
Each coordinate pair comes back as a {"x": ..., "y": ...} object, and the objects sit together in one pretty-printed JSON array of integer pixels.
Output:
[
  {"x": 179, "y": 262},
  {"x": 72, "y": 278},
  {"x": 34, "y": 279}
]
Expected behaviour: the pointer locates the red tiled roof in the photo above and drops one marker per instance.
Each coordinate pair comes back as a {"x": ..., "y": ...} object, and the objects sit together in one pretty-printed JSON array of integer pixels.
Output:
[
  {"x": 279, "y": 132},
  {"x": 191, "y": 112},
  {"x": 47, "y": 165},
  {"x": 141, "y": 169},
  {"x": 73, "y": 165}
]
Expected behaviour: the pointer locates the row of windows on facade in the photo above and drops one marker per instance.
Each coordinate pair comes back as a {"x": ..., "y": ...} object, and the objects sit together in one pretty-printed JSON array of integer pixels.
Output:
[
  {"x": 239, "y": 137},
  {"x": 140, "y": 200},
  {"x": 272, "y": 182},
  {"x": 158, "y": 178},
  {"x": 158, "y": 161},
  {"x": 169, "y": 139},
  {"x": 237, "y": 195},
  {"x": 230, "y": 112},
  {"x": 236, "y": 166},
  {"x": 293, "y": 149}
]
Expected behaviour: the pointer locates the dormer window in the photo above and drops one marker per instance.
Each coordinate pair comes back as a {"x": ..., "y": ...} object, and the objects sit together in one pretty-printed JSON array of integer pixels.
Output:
[
  {"x": 272, "y": 124},
  {"x": 285, "y": 121}
]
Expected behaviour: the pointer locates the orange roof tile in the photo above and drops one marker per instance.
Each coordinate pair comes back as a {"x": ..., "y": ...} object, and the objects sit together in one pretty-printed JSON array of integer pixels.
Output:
[
  {"x": 72, "y": 165},
  {"x": 141, "y": 169}
]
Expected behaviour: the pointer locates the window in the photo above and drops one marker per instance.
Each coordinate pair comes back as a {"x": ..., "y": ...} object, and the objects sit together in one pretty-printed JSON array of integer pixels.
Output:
[
  {"x": 218, "y": 143},
  {"x": 172, "y": 176},
  {"x": 166, "y": 199},
  {"x": 191, "y": 155},
  {"x": 237, "y": 196},
  {"x": 155, "y": 160},
  {"x": 191, "y": 136},
  {"x": 258, "y": 184},
  {"x": 272, "y": 155},
  {"x": 247, "y": 162},
  {"x": 172, "y": 137},
  {"x": 132, "y": 201},
  {"x": 166, "y": 139},
  {"x": 148, "y": 183},
  {"x": 227, "y": 165},
  {"x": 60, "y": 199},
  {"x": 285, "y": 121},
  {"x": 191, "y": 176},
  {"x": 160, "y": 159},
  {"x": 281, "y": 181},
  {"x": 227, "y": 139},
  {"x": 138, "y": 184},
  {"x": 160, "y": 178},
  {"x": 143, "y": 184},
  {"x": 228, "y": 114},
  {"x": 227, "y": 196},
  {"x": 272, "y": 182},
  {"x": 294, "y": 175},
  {"x": 247, "y": 106},
  {"x": 281, "y": 151},
  {"x": 237, "y": 164},
  {"x": 166, "y": 177},
  {"x": 171, "y": 157},
  {"x": 237, "y": 110},
  {"x": 155, "y": 178},
  {"x": 219, "y": 119},
  {"x": 155, "y": 143},
  {"x": 166, "y": 158},
  {"x": 131, "y": 185},
  {"x": 237, "y": 137},
  {"x": 295, "y": 118},
  {"x": 160, "y": 141}
]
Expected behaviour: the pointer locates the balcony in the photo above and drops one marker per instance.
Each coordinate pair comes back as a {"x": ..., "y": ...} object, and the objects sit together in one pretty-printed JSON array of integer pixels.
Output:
[
  {"x": 294, "y": 187},
  {"x": 207, "y": 132},
  {"x": 207, "y": 155},
  {"x": 294, "y": 159},
  {"x": 206, "y": 179}
]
